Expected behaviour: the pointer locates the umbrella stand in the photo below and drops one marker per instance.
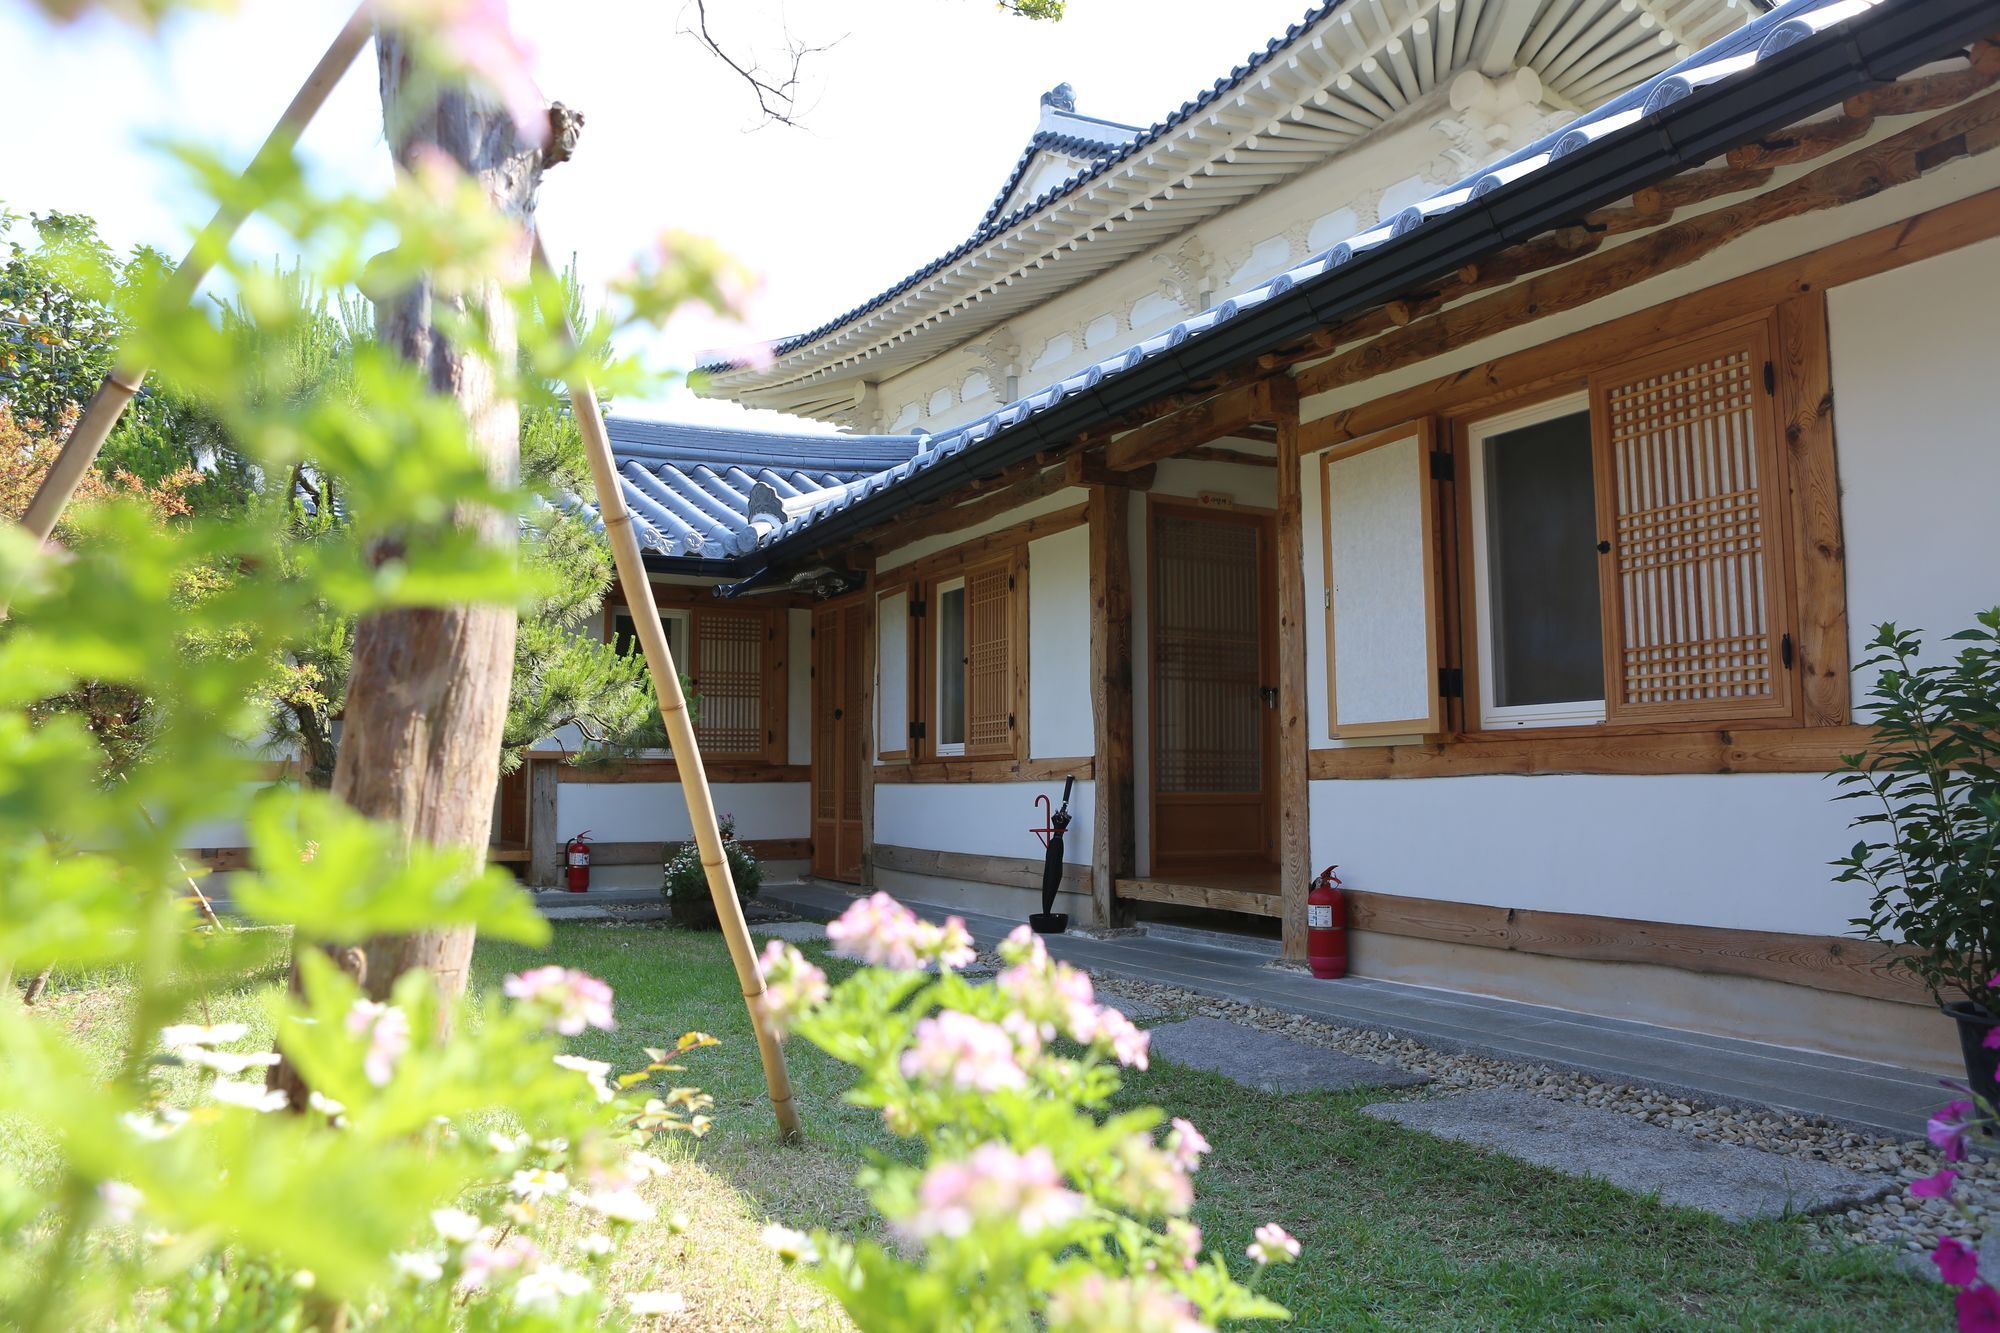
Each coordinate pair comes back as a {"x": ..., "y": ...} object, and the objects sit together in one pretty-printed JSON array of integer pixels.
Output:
[{"x": 1048, "y": 921}]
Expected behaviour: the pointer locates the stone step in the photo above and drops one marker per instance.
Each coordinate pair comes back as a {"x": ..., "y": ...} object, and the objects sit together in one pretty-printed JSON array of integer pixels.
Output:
[
  {"x": 1270, "y": 1063},
  {"x": 1735, "y": 1183}
]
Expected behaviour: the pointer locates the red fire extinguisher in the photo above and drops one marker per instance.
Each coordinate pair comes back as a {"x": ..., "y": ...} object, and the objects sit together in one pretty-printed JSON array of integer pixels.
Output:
[
  {"x": 1326, "y": 927},
  {"x": 577, "y": 852}
]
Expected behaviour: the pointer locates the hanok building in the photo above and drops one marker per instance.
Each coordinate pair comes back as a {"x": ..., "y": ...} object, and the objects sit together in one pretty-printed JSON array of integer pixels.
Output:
[{"x": 1468, "y": 444}]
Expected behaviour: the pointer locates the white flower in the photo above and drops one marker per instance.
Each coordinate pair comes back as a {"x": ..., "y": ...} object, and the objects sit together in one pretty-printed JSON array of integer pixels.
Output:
[
  {"x": 157, "y": 1126},
  {"x": 506, "y": 1143},
  {"x": 538, "y": 1183},
  {"x": 456, "y": 1225},
  {"x": 656, "y": 1303},
  {"x": 644, "y": 1166},
  {"x": 182, "y": 1035},
  {"x": 227, "y": 1062},
  {"x": 794, "y": 1247},
  {"x": 596, "y": 1245},
  {"x": 325, "y": 1105},
  {"x": 618, "y": 1205},
  {"x": 547, "y": 1287},
  {"x": 417, "y": 1266},
  {"x": 1274, "y": 1245},
  {"x": 594, "y": 1070},
  {"x": 254, "y": 1096}
]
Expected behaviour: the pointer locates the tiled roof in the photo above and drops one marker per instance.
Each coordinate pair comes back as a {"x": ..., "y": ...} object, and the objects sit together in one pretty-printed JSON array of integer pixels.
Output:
[
  {"x": 1279, "y": 55},
  {"x": 688, "y": 486},
  {"x": 1731, "y": 60},
  {"x": 1091, "y": 151}
]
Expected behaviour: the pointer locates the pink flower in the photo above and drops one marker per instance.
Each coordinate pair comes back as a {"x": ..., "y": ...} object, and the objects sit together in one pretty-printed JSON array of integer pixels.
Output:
[
  {"x": 1979, "y": 1310},
  {"x": 793, "y": 987},
  {"x": 481, "y": 1260},
  {"x": 1947, "y": 1130},
  {"x": 1992, "y": 1041},
  {"x": 967, "y": 1052},
  {"x": 993, "y": 1184},
  {"x": 388, "y": 1031},
  {"x": 1274, "y": 1245},
  {"x": 1186, "y": 1145},
  {"x": 1184, "y": 1238},
  {"x": 1128, "y": 1043},
  {"x": 1152, "y": 1181},
  {"x": 1956, "y": 1263},
  {"x": 1934, "y": 1187},
  {"x": 577, "y": 999},
  {"x": 1138, "y": 1305},
  {"x": 876, "y": 930},
  {"x": 475, "y": 38}
]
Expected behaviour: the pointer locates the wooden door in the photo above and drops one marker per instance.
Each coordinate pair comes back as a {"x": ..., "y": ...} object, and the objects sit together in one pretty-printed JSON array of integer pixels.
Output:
[
  {"x": 1213, "y": 689},
  {"x": 839, "y": 667}
]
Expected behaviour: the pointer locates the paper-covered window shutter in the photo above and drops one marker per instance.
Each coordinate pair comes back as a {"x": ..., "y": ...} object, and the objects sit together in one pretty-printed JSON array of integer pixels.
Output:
[
  {"x": 728, "y": 674},
  {"x": 1381, "y": 614},
  {"x": 1695, "y": 594},
  {"x": 892, "y": 694}
]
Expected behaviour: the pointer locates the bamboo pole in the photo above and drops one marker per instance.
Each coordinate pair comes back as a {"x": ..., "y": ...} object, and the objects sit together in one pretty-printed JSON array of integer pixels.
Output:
[
  {"x": 122, "y": 382},
  {"x": 680, "y": 729}
]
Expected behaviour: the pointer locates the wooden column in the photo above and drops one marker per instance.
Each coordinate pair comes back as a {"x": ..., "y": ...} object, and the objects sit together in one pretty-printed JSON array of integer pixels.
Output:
[
  {"x": 1294, "y": 849},
  {"x": 871, "y": 652},
  {"x": 545, "y": 849},
  {"x": 1113, "y": 839},
  {"x": 1805, "y": 413}
]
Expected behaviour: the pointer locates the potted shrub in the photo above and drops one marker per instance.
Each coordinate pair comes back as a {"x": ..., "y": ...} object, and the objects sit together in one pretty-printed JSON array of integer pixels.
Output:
[
  {"x": 685, "y": 885},
  {"x": 1931, "y": 854}
]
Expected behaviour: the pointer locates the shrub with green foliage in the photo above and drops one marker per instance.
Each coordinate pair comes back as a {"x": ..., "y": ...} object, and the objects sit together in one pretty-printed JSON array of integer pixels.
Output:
[{"x": 685, "y": 883}]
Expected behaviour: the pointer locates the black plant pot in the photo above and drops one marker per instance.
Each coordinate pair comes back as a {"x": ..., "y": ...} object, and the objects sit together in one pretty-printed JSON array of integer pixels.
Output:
[
  {"x": 1048, "y": 923},
  {"x": 1981, "y": 1060}
]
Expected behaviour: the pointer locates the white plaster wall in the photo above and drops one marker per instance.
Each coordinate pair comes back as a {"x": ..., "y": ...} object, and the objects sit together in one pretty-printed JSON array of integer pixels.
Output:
[
  {"x": 656, "y": 811},
  {"x": 917, "y": 550},
  {"x": 1916, "y": 354},
  {"x": 1059, "y": 710},
  {"x": 1747, "y": 851},
  {"x": 983, "y": 818}
]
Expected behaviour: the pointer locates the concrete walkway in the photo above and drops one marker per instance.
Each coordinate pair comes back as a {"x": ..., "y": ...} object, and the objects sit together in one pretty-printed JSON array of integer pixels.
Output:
[{"x": 1883, "y": 1099}]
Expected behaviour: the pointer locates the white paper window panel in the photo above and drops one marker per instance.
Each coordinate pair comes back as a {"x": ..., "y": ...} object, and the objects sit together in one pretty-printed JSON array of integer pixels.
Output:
[
  {"x": 892, "y": 617},
  {"x": 1378, "y": 545}
]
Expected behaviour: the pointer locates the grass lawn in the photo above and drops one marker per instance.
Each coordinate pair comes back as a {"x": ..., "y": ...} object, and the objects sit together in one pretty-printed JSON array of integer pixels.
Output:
[{"x": 1400, "y": 1230}]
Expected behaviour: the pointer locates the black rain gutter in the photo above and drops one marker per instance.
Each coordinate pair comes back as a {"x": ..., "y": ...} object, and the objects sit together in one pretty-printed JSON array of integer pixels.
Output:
[{"x": 1828, "y": 67}]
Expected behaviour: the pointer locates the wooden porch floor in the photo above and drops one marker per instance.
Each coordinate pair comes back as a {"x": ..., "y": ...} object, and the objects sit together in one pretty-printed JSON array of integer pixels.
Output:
[{"x": 1252, "y": 890}]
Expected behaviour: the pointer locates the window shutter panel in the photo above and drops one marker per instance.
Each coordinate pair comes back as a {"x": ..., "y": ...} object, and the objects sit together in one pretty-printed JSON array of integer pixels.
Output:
[
  {"x": 893, "y": 674},
  {"x": 728, "y": 672},
  {"x": 1695, "y": 593},
  {"x": 826, "y": 693},
  {"x": 989, "y": 687},
  {"x": 1381, "y": 609}
]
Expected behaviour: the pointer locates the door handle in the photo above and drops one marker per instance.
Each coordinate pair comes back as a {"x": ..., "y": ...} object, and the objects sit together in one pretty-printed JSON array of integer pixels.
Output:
[
  {"x": 837, "y": 714},
  {"x": 1269, "y": 694}
]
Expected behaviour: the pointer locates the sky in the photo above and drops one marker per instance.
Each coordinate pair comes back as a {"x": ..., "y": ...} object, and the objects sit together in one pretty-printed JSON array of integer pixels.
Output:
[{"x": 913, "y": 116}]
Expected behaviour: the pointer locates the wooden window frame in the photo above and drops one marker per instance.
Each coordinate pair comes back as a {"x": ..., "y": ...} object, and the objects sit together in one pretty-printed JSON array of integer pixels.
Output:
[
  {"x": 774, "y": 667},
  {"x": 923, "y": 580}
]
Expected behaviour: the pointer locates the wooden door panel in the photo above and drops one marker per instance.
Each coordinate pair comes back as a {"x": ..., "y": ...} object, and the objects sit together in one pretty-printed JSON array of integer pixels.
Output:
[{"x": 839, "y": 662}]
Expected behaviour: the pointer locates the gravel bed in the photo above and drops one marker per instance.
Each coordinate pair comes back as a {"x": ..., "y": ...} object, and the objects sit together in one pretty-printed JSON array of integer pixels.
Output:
[{"x": 1899, "y": 1221}]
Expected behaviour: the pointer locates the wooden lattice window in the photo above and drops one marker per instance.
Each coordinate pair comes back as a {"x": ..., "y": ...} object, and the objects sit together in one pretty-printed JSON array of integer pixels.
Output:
[
  {"x": 1696, "y": 606},
  {"x": 733, "y": 662}
]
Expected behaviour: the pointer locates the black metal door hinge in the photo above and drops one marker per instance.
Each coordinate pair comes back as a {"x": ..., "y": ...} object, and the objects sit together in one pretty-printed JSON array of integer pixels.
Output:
[
  {"x": 1441, "y": 465},
  {"x": 1770, "y": 378},
  {"x": 1785, "y": 651},
  {"x": 916, "y": 731},
  {"x": 917, "y": 609},
  {"x": 1451, "y": 682}
]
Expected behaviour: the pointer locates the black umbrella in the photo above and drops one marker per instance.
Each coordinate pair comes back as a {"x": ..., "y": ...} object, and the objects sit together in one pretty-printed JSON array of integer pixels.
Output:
[{"x": 1048, "y": 921}]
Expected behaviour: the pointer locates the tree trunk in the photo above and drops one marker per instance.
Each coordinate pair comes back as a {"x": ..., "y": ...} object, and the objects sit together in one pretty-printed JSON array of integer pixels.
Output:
[{"x": 427, "y": 696}]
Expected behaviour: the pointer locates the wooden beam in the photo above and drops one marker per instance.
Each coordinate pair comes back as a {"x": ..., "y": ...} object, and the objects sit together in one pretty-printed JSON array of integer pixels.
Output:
[
  {"x": 1697, "y": 186},
  {"x": 1710, "y": 750},
  {"x": 1006, "y": 871},
  {"x": 1212, "y": 419},
  {"x": 721, "y": 769},
  {"x": 976, "y": 548},
  {"x": 1294, "y": 790},
  {"x": 932, "y": 771},
  {"x": 900, "y": 532},
  {"x": 1933, "y": 91},
  {"x": 1898, "y": 159},
  {"x": 1113, "y": 853},
  {"x": 1213, "y": 453},
  {"x": 1922, "y": 236},
  {"x": 1800, "y": 143},
  {"x": 1090, "y": 469},
  {"x": 1247, "y": 901},
  {"x": 1822, "y": 962},
  {"x": 1805, "y": 414},
  {"x": 870, "y": 672}
]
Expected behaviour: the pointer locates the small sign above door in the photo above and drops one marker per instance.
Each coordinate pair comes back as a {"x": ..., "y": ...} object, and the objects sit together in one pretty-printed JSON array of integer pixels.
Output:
[{"x": 1215, "y": 500}]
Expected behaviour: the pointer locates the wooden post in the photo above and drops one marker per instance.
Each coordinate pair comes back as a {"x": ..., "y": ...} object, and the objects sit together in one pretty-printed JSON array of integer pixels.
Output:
[
  {"x": 871, "y": 652},
  {"x": 1113, "y": 849},
  {"x": 1294, "y": 789},
  {"x": 680, "y": 728},
  {"x": 545, "y": 850}
]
